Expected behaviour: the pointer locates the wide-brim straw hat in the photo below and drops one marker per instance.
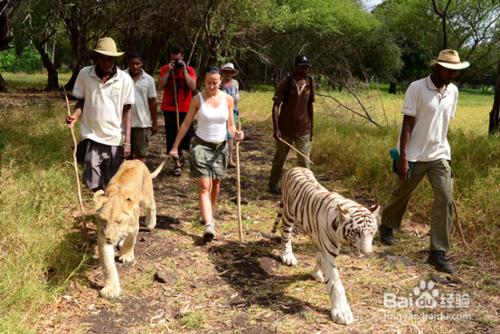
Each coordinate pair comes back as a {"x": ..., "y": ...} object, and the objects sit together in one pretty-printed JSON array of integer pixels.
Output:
[
  {"x": 229, "y": 68},
  {"x": 107, "y": 46},
  {"x": 451, "y": 60}
]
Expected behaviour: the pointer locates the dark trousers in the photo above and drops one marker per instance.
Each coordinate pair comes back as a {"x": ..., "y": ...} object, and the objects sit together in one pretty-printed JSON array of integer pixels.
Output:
[{"x": 171, "y": 130}]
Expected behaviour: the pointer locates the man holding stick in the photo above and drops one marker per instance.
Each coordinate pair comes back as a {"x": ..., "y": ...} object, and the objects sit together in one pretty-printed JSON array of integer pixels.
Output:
[
  {"x": 294, "y": 122},
  {"x": 178, "y": 81},
  {"x": 105, "y": 95},
  {"x": 423, "y": 148}
]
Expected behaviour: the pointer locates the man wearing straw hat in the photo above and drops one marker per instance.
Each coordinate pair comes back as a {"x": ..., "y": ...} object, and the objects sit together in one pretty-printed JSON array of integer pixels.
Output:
[
  {"x": 105, "y": 95},
  {"x": 178, "y": 81},
  {"x": 293, "y": 124},
  {"x": 423, "y": 148}
]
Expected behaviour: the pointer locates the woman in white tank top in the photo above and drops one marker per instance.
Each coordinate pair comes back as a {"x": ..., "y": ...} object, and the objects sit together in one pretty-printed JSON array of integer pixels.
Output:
[{"x": 209, "y": 153}]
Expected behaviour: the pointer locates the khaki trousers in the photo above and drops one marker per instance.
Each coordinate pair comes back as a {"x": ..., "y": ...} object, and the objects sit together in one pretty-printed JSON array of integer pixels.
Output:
[
  {"x": 439, "y": 175},
  {"x": 302, "y": 143}
]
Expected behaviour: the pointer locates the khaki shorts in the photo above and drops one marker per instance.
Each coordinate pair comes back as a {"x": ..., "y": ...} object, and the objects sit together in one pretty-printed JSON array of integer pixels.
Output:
[
  {"x": 208, "y": 159},
  {"x": 140, "y": 141}
]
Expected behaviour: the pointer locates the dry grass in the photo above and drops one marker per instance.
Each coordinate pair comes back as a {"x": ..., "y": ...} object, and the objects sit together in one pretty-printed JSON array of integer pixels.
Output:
[{"x": 223, "y": 287}]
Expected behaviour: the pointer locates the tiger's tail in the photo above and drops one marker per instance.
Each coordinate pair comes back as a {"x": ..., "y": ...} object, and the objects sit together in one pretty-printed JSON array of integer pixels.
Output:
[{"x": 278, "y": 218}]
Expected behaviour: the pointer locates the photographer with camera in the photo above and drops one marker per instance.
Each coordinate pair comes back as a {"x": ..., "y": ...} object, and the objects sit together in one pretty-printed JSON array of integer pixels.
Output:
[{"x": 177, "y": 80}]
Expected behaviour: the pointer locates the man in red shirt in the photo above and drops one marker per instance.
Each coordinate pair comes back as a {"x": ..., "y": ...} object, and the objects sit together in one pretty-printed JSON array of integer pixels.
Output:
[{"x": 184, "y": 77}]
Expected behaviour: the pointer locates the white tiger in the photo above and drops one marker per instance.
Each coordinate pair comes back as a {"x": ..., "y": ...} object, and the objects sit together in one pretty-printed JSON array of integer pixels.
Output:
[{"x": 329, "y": 219}]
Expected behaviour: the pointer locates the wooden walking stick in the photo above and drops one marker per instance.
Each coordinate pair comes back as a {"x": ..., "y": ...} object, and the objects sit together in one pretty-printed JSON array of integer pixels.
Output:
[
  {"x": 75, "y": 163},
  {"x": 238, "y": 185},
  {"x": 175, "y": 100},
  {"x": 296, "y": 150}
]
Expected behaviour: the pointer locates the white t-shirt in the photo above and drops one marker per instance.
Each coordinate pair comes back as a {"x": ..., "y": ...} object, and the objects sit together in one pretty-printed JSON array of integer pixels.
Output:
[
  {"x": 433, "y": 112},
  {"x": 212, "y": 122},
  {"x": 103, "y": 107},
  {"x": 144, "y": 90}
]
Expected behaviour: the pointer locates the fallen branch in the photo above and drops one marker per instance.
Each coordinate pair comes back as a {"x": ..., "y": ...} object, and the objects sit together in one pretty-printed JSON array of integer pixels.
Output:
[{"x": 350, "y": 109}]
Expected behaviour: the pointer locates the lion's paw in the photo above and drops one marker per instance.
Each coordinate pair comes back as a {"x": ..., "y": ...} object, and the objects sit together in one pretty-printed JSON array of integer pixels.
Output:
[
  {"x": 111, "y": 291},
  {"x": 127, "y": 257},
  {"x": 289, "y": 259},
  {"x": 150, "y": 222},
  {"x": 342, "y": 314}
]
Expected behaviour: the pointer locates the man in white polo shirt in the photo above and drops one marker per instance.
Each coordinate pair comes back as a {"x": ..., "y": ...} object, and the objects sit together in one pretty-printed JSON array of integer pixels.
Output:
[
  {"x": 423, "y": 147},
  {"x": 105, "y": 95},
  {"x": 144, "y": 115}
]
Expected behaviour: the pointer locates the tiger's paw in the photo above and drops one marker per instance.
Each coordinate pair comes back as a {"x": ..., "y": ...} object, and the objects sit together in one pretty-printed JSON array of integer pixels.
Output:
[
  {"x": 318, "y": 275},
  {"x": 342, "y": 314},
  {"x": 289, "y": 259}
]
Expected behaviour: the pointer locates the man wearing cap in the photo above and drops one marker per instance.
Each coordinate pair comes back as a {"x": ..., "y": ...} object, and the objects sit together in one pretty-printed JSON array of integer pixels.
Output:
[
  {"x": 423, "y": 147},
  {"x": 178, "y": 81},
  {"x": 293, "y": 124},
  {"x": 105, "y": 95}
]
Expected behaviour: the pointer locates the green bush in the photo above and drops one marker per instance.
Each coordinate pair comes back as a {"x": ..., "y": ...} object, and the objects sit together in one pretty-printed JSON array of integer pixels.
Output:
[{"x": 28, "y": 61}]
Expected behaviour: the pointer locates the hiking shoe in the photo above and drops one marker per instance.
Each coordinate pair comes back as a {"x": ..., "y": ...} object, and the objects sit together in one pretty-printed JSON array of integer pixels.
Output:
[
  {"x": 437, "y": 260},
  {"x": 274, "y": 189},
  {"x": 209, "y": 233},
  {"x": 386, "y": 235}
]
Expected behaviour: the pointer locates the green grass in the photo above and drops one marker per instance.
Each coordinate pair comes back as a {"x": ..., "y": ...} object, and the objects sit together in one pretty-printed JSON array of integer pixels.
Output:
[
  {"x": 38, "y": 80},
  {"x": 37, "y": 245},
  {"x": 40, "y": 249}
]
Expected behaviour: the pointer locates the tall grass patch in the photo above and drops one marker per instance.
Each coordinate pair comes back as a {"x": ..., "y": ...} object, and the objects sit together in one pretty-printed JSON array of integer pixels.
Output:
[{"x": 37, "y": 250}]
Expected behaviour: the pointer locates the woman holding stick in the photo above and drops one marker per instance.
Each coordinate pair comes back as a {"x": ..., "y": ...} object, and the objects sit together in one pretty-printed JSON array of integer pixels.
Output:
[{"x": 209, "y": 151}]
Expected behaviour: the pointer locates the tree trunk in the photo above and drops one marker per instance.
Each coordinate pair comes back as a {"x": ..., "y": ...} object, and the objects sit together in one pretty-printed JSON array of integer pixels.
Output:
[
  {"x": 495, "y": 112},
  {"x": 393, "y": 87},
  {"x": 52, "y": 77},
  {"x": 81, "y": 56},
  {"x": 2, "y": 83}
]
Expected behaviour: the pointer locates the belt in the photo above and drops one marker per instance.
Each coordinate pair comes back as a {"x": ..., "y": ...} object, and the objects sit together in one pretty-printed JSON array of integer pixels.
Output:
[{"x": 214, "y": 146}]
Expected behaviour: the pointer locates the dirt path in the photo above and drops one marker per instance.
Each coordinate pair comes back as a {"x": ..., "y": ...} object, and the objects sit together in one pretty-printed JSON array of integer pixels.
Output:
[{"x": 232, "y": 287}]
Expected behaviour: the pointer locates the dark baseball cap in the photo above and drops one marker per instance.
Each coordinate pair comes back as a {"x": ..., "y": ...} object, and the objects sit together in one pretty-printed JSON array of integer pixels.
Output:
[{"x": 302, "y": 61}]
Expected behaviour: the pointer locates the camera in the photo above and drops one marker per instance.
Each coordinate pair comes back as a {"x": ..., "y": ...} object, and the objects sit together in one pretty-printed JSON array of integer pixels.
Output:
[{"x": 178, "y": 65}]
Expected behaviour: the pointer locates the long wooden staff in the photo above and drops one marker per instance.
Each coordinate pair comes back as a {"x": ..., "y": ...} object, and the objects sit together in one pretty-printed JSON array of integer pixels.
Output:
[
  {"x": 75, "y": 163},
  {"x": 296, "y": 150},
  {"x": 238, "y": 185},
  {"x": 175, "y": 100}
]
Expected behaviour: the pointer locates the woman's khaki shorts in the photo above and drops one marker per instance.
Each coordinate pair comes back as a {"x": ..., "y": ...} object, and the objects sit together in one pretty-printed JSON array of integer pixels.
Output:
[{"x": 208, "y": 159}]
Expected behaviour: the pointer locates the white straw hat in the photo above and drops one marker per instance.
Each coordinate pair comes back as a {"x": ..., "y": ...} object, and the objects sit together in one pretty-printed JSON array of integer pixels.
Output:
[
  {"x": 451, "y": 60},
  {"x": 229, "y": 67},
  {"x": 107, "y": 46}
]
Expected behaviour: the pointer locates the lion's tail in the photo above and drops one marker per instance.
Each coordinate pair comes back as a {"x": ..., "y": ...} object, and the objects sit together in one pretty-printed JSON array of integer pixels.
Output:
[{"x": 157, "y": 170}]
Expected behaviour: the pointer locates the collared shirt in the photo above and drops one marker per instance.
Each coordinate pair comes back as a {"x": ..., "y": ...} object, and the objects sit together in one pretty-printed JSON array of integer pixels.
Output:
[
  {"x": 433, "y": 111},
  {"x": 145, "y": 89},
  {"x": 294, "y": 119},
  {"x": 103, "y": 105}
]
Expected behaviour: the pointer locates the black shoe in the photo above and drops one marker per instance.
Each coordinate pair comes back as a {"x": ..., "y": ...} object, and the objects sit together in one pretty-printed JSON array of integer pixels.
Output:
[
  {"x": 386, "y": 235},
  {"x": 436, "y": 259},
  {"x": 274, "y": 189}
]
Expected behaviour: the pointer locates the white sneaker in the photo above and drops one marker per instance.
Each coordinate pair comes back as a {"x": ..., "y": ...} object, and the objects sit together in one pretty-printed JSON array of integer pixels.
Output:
[{"x": 209, "y": 233}]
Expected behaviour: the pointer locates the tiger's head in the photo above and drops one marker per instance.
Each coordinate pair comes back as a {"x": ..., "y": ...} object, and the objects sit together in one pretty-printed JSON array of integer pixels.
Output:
[{"x": 359, "y": 226}]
